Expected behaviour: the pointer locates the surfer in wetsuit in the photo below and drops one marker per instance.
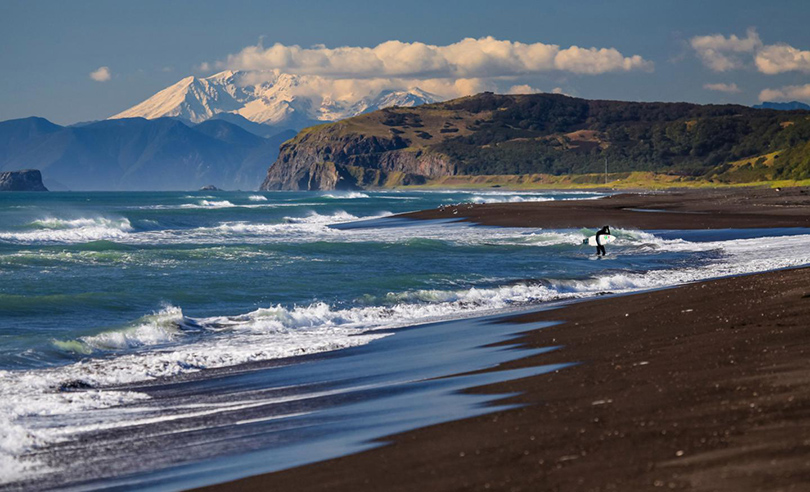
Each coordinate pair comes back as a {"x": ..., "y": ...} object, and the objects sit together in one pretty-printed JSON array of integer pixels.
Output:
[{"x": 600, "y": 248}]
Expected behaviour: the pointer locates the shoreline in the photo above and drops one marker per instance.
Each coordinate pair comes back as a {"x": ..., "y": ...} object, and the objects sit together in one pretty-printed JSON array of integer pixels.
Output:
[
  {"x": 696, "y": 387},
  {"x": 713, "y": 403},
  {"x": 744, "y": 208}
]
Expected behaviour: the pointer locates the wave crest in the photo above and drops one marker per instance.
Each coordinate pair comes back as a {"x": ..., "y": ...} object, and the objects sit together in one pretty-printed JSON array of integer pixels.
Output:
[{"x": 56, "y": 230}]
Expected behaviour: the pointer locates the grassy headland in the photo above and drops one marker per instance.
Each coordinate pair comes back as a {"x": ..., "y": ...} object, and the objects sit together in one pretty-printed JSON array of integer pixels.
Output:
[{"x": 550, "y": 140}]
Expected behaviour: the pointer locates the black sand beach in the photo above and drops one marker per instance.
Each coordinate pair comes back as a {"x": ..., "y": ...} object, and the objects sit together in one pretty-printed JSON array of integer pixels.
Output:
[
  {"x": 700, "y": 387},
  {"x": 740, "y": 208}
]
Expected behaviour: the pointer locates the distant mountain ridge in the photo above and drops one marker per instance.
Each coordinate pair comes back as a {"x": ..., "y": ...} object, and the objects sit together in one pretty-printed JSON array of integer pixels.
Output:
[
  {"x": 783, "y": 106},
  {"x": 490, "y": 134},
  {"x": 138, "y": 154},
  {"x": 279, "y": 100}
]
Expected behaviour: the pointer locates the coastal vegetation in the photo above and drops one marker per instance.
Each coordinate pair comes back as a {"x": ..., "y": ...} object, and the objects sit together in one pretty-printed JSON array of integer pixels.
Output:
[{"x": 566, "y": 139}]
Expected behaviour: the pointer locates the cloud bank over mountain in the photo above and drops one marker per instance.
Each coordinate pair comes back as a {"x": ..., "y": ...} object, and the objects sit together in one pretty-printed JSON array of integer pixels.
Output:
[
  {"x": 483, "y": 57},
  {"x": 458, "y": 69},
  {"x": 293, "y": 87}
]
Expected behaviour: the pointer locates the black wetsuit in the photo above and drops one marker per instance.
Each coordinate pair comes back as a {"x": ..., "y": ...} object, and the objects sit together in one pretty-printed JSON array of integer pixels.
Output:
[{"x": 600, "y": 248}]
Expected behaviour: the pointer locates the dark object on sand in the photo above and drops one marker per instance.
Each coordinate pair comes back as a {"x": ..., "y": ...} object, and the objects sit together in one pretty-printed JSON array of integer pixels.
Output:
[
  {"x": 25, "y": 180},
  {"x": 75, "y": 385}
]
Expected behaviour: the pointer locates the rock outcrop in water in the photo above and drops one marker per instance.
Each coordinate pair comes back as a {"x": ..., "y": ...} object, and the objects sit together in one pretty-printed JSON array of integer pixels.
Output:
[
  {"x": 25, "y": 180},
  {"x": 545, "y": 134}
]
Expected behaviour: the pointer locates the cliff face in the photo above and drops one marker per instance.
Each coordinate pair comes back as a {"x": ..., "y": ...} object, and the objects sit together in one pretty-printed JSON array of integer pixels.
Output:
[
  {"x": 328, "y": 159},
  {"x": 27, "y": 180}
]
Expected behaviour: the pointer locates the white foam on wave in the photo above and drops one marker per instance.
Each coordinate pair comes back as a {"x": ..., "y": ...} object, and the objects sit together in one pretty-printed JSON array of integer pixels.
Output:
[
  {"x": 257, "y": 198},
  {"x": 158, "y": 328},
  {"x": 347, "y": 195},
  {"x": 56, "y": 230},
  {"x": 280, "y": 331},
  {"x": 209, "y": 204},
  {"x": 507, "y": 198}
]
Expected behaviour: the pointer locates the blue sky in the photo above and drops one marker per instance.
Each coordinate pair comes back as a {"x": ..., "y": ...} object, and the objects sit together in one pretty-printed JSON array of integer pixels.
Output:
[{"x": 50, "y": 48}]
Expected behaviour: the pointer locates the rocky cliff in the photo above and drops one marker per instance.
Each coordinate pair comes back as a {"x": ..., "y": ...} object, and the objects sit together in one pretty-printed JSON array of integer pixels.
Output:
[
  {"x": 336, "y": 157},
  {"x": 26, "y": 180},
  {"x": 491, "y": 134}
]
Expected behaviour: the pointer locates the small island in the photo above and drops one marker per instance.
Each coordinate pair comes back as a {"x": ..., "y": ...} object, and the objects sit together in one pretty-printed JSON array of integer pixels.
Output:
[{"x": 24, "y": 180}]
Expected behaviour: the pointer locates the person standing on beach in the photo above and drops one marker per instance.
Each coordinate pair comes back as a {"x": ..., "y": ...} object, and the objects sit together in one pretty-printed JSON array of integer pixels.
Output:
[{"x": 600, "y": 248}]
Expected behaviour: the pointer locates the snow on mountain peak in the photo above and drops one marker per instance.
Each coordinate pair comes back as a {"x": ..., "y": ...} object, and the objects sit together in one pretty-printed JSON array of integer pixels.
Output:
[{"x": 272, "y": 98}]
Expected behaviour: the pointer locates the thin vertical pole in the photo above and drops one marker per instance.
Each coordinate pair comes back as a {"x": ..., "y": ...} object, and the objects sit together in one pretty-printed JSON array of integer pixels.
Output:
[{"x": 606, "y": 170}]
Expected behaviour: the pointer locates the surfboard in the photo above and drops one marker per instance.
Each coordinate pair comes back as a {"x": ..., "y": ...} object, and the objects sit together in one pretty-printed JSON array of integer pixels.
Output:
[{"x": 604, "y": 239}]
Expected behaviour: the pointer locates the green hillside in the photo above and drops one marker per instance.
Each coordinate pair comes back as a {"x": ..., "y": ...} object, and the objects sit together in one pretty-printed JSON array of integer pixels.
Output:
[{"x": 547, "y": 134}]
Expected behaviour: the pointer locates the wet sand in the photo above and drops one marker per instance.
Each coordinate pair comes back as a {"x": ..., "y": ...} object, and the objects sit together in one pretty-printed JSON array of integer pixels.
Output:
[
  {"x": 688, "y": 209},
  {"x": 700, "y": 387}
]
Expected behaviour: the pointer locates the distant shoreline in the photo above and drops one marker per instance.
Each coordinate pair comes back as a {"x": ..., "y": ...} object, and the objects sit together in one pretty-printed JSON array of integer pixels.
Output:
[
  {"x": 684, "y": 209},
  {"x": 626, "y": 181}
]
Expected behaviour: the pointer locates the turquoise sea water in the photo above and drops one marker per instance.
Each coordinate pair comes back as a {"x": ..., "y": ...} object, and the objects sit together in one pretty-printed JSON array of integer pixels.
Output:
[{"x": 103, "y": 291}]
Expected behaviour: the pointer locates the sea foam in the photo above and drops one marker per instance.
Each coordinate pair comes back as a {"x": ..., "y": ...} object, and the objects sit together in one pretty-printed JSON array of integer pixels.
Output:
[
  {"x": 57, "y": 230},
  {"x": 168, "y": 342}
]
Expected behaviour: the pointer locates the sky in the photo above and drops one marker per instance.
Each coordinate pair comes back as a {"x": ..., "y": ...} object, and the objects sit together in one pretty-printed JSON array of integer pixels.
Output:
[{"x": 87, "y": 60}]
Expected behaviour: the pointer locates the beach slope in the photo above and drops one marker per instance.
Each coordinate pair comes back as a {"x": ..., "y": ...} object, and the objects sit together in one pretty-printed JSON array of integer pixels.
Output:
[
  {"x": 700, "y": 387},
  {"x": 735, "y": 208}
]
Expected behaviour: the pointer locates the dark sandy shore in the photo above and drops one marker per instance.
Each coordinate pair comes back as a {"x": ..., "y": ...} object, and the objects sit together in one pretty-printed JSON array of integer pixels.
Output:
[
  {"x": 700, "y": 387},
  {"x": 688, "y": 209}
]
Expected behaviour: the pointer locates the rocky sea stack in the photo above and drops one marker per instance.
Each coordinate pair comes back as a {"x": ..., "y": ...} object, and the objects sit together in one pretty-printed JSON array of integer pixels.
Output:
[{"x": 25, "y": 180}]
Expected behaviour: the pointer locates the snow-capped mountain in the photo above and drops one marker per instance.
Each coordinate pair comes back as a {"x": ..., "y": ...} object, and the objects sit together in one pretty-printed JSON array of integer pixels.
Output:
[{"x": 278, "y": 99}]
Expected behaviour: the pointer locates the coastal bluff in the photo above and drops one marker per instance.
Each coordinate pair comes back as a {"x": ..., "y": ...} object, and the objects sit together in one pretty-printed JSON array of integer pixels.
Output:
[
  {"x": 490, "y": 135},
  {"x": 24, "y": 180}
]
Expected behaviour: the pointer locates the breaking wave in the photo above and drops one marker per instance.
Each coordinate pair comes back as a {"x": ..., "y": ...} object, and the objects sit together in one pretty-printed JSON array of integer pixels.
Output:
[
  {"x": 349, "y": 195},
  {"x": 55, "y": 230},
  {"x": 209, "y": 204},
  {"x": 509, "y": 199},
  {"x": 169, "y": 342}
]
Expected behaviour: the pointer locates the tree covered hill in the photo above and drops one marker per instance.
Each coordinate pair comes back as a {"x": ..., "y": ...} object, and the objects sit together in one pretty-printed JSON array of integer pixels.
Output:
[{"x": 490, "y": 134}]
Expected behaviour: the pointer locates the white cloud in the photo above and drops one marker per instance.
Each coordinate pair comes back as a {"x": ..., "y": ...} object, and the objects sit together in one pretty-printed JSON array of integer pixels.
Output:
[
  {"x": 523, "y": 89},
  {"x": 558, "y": 90},
  {"x": 102, "y": 74},
  {"x": 728, "y": 88},
  {"x": 595, "y": 61},
  {"x": 353, "y": 89},
  {"x": 469, "y": 59},
  {"x": 788, "y": 93},
  {"x": 721, "y": 53},
  {"x": 780, "y": 58}
]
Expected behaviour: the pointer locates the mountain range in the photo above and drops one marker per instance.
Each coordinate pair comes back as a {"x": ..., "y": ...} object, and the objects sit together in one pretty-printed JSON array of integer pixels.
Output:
[
  {"x": 138, "y": 154},
  {"x": 277, "y": 100},
  {"x": 783, "y": 106},
  {"x": 222, "y": 130}
]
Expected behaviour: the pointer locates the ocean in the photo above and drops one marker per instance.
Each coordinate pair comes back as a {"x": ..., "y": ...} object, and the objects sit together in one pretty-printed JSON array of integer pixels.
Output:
[{"x": 165, "y": 340}]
